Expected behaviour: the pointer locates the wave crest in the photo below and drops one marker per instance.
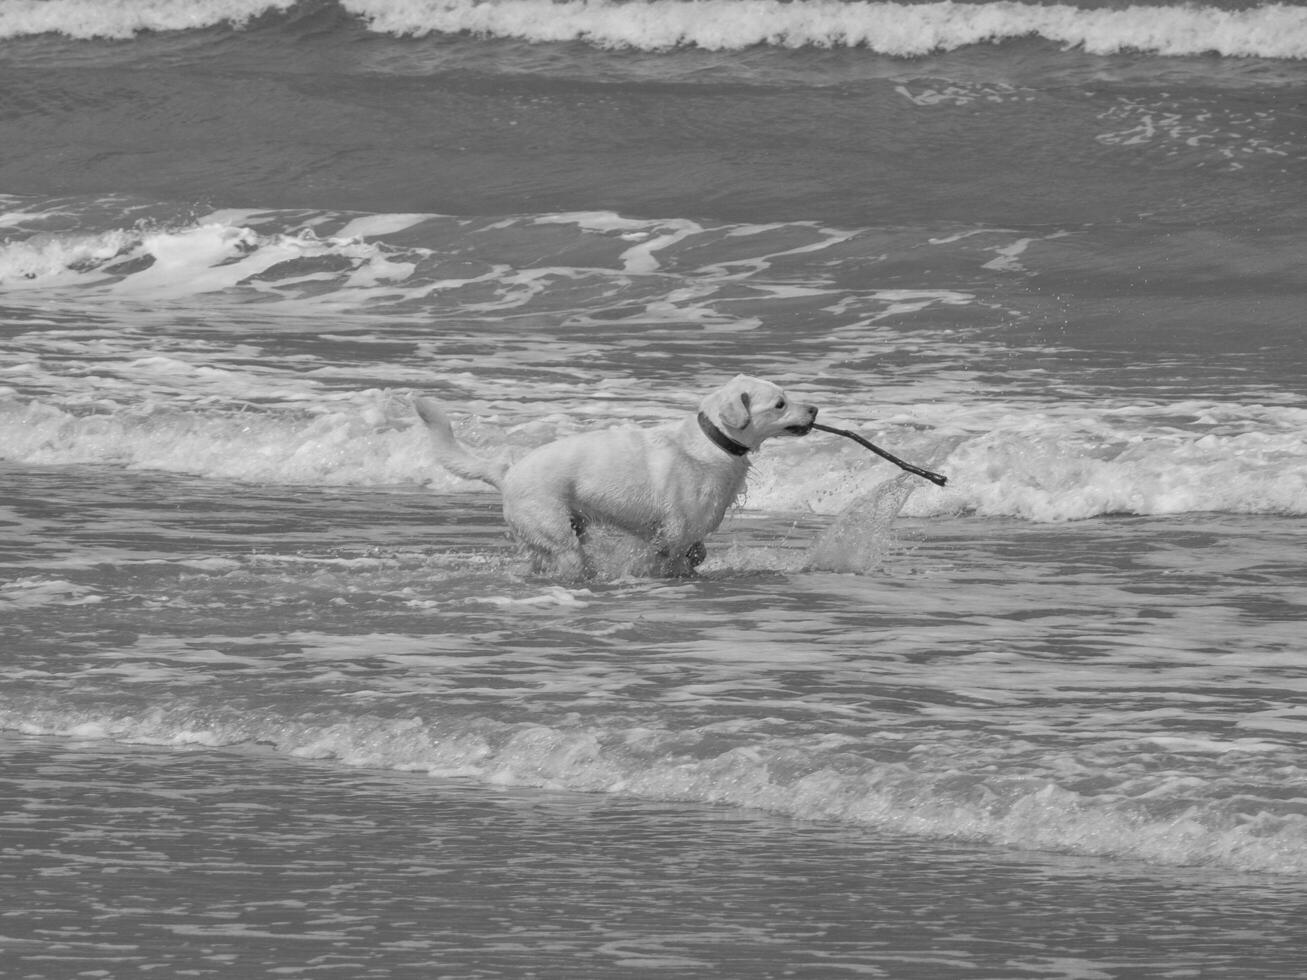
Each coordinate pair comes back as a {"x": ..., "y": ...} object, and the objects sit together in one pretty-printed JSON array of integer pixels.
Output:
[{"x": 1274, "y": 31}]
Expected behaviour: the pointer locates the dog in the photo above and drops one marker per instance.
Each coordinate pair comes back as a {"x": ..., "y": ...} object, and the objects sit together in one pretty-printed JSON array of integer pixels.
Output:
[{"x": 669, "y": 485}]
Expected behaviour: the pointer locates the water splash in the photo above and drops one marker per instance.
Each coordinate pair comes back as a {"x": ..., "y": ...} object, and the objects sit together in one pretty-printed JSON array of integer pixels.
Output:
[
  {"x": 860, "y": 537},
  {"x": 862, "y": 534}
]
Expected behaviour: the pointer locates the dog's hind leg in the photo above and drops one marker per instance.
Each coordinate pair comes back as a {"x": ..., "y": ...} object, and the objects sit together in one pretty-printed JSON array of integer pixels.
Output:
[{"x": 553, "y": 535}]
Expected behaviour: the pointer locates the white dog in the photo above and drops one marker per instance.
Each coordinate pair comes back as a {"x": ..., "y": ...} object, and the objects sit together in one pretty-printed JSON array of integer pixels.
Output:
[{"x": 669, "y": 485}]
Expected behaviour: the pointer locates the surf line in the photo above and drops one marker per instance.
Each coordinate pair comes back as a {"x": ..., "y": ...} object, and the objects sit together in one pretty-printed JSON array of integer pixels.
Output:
[{"x": 934, "y": 478}]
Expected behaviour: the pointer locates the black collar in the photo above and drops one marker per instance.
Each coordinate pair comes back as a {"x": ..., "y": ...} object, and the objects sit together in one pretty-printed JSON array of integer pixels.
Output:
[{"x": 720, "y": 439}]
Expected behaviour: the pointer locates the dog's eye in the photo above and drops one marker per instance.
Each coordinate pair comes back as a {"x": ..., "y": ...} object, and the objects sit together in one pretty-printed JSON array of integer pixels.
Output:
[{"x": 781, "y": 404}]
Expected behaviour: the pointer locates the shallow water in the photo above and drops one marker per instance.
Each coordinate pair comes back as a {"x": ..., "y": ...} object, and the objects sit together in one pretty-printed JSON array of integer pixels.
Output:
[
  {"x": 207, "y": 862},
  {"x": 278, "y": 693},
  {"x": 1119, "y": 687}
]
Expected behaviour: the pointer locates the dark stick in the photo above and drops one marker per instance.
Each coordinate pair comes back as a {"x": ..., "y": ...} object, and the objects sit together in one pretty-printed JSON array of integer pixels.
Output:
[{"x": 934, "y": 478}]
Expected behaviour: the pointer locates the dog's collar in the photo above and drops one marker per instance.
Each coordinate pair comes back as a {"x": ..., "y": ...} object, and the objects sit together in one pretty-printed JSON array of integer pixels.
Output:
[{"x": 720, "y": 439}]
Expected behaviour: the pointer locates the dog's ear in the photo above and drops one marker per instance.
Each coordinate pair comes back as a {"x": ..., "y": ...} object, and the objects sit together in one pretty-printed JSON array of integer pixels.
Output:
[{"x": 735, "y": 411}]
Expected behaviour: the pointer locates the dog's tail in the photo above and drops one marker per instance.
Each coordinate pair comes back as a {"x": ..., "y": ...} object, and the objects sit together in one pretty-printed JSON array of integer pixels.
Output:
[{"x": 453, "y": 456}]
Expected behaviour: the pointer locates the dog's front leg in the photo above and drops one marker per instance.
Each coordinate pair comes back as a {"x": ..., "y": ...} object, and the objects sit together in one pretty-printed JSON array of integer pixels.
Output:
[
  {"x": 680, "y": 564},
  {"x": 677, "y": 555}
]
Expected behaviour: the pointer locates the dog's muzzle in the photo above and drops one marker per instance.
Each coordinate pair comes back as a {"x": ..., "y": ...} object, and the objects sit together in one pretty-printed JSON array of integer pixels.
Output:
[{"x": 803, "y": 428}]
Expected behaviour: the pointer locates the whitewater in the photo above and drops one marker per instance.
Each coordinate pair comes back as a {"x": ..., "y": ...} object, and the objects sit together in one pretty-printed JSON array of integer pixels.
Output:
[{"x": 172, "y": 408}]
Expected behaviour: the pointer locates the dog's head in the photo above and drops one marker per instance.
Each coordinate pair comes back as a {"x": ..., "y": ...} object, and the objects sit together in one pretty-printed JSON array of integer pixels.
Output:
[{"x": 750, "y": 410}]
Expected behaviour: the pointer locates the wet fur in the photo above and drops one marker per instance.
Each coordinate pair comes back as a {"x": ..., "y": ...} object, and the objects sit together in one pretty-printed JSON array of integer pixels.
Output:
[{"x": 669, "y": 485}]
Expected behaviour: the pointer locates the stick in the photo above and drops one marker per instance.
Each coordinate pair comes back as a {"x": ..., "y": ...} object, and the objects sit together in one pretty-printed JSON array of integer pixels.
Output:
[{"x": 934, "y": 478}]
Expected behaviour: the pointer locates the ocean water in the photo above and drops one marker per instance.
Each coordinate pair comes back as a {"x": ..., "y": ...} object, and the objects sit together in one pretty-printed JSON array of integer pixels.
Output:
[{"x": 279, "y": 695}]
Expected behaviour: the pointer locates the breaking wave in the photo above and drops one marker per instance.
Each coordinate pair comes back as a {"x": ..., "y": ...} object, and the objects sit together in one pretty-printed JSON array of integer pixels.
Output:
[
  {"x": 1250, "y": 459},
  {"x": 899, "y": 29},
  {"x": 1161, "y": 820}
]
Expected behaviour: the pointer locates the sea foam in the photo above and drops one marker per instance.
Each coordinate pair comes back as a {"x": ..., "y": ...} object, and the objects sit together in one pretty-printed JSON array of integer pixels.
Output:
[
  {"x": 94, "y": 19},
  {"x": 219, "y": 254}
]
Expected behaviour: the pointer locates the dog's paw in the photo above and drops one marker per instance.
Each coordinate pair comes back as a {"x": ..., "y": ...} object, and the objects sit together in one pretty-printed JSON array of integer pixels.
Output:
[{"x": 695, "y": 554}]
